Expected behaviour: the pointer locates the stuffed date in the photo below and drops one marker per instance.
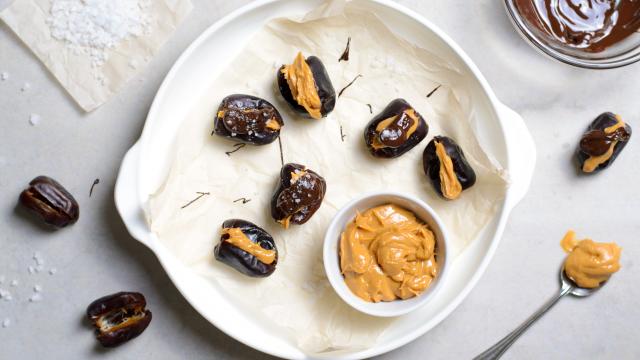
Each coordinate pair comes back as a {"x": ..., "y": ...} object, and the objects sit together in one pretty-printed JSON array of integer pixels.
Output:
[
  {"x": 248, "y": 119},
  {"x": 396, "y": 130},
  {"x": 247, "y": 248},
  {"x": 446, "y": 166},
  {"x": 298, "y": 196},
  {"x": 602, "y": 142},
  {"x": 306, "y": 86}
]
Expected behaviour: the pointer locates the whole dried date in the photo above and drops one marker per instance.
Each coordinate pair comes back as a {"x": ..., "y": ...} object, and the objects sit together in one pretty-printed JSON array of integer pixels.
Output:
[
  {"x": 247, "y": 248},
  {"x": 248, "y": 119},
  {"x": 396, "y": 130},
  {"x": 119, "y": 317},
  {"x": 298, "y": 196},
  {"x": 49, "y": 200},
  {"x": 306, "y": 86},
  {"x": 445, "y": 164},
  {"x": 602, "y": 142}
]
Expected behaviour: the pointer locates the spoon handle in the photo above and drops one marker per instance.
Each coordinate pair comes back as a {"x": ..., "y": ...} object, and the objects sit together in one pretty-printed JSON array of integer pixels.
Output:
[{"x": 496, "y": 351}]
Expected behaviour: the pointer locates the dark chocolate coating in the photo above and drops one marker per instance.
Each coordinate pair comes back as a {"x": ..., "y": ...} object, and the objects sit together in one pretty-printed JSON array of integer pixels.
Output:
[
  {"x": 299, "y": 200},
  {"x": 595, "y": 142},
  {"x": 398, "y": 145},
  {"x": 325, "y": 89},
  {"x": 245, "y": 120},
  {"x": 431, "y": 164},
  {"x": 115, "y": 309},
  {"x": 50, "y": 201},
  {"x": 241, "y": 260}
]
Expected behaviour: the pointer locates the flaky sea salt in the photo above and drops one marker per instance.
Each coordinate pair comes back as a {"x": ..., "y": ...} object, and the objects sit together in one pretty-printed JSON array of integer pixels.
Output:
[
  {"x": 93, "y": 27},
  {"x": 4, "y": 75},
  {"x": 34, "y": 119},
  {"x": 35, "y": 297},
  {"x": 31, "y": 269},
  {"x": 53, "y": 271},
  {"x": 14, "y": 283},
  {"x": 25, "y": 87},
  {"x": 6, "y": 323},
  {"x": 37, "y": 288}
]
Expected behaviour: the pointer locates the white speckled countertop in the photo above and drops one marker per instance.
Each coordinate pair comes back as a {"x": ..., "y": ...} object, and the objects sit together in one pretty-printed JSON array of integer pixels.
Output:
[{"x": 97, "y": 256}]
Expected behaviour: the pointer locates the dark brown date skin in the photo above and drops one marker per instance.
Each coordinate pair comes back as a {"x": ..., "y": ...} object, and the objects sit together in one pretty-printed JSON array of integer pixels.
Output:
[
  {"x": 241, "y": 260},
  {"x": 596, "y": 142},
  {"x": 245, "y": 119},
  {"x": 297, "y": 201},
  {"x": 431, "y": 164},
  {"x": 119, "y": 317},
  {"x": 325, "y": 89},
  {"x": 394, "y": 138},
  {"x": 50, "y": 201}
]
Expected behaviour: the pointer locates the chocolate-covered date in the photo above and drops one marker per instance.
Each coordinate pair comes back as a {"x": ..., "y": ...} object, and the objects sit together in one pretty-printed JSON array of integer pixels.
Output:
[
  {"x": 446, "y": 166},
  {"x": 248, "y": 119},
  {"x": 247, "y": 248},
  {"x": 119, "y": 317},
  {"x": 298, "y": 196},
  {"x": 50, "y": 201},
  {"x": 396, "y": 130},
  {"x": 306, "y": 86},
  {"x": 602, "y": 142}
]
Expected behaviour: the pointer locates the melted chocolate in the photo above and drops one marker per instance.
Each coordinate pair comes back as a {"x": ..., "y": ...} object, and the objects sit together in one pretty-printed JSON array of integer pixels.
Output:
[{"x": 589, "y": 25}]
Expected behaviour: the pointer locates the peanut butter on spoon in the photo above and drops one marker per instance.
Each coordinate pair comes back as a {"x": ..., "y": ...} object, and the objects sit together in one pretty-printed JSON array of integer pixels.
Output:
[{"x": 589, "y": 263}]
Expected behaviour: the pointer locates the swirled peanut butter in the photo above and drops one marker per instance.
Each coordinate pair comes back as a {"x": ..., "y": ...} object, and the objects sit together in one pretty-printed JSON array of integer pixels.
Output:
[
  {"x": 594, "y": 161},
  {"x": 387, "y": 254},
  {"x": 589, "y": 263},
  {"x": 449, "y": 183},
  {"x": 238, "y": 239},
  {"x": 303, "y": 86}
]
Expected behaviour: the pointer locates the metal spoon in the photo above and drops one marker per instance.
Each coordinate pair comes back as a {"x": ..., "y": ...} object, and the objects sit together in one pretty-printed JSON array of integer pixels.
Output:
[{"x": 568, "y": 287}]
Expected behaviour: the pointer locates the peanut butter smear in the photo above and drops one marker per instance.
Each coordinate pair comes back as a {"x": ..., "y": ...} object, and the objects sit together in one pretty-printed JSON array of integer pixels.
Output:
[
  {"x": 239, "y": 239},
  {"x": 589, "y": 263},
  {"x": 303, "y": 86},
  {"x": 387, "y": 254},
  {"x": 594, "y": 161},
  {"x": 273, "y": 124},
  {"x": 449, "y": 183}
]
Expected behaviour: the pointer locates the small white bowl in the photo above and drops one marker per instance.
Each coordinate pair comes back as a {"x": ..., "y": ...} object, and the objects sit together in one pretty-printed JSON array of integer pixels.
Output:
[{"x": 332, "y": 259}]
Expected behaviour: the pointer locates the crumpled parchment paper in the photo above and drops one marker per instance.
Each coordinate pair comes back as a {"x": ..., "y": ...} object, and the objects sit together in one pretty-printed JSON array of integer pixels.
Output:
[
  {"x": 297, "y": 299},
  {"x": 27, "y": 18}
]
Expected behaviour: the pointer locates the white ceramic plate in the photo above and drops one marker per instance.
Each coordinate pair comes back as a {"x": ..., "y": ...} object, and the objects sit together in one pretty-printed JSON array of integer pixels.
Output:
[{"x": 502, "y": 132}]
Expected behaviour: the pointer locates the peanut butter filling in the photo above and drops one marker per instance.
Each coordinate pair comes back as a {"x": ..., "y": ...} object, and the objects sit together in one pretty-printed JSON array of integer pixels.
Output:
[
  {"x": 592, "y": 163},
  {"x": 387, "y": 254},
  {"x": 449, "y": 183},
  {"x": 589, "y": 263},
  {"x": 285, "y": 222},
  {"x": 303, "y": 86},
  {"x": 273, "y": 125},
  {"x": 238, "y": 239},
  {"x": 386, "y": 123}
]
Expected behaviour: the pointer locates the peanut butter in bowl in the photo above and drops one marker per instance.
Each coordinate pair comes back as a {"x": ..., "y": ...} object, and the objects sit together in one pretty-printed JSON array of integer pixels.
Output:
[
  {"x": 589, "y": 263},
  {"x": 387, "y": 254}
]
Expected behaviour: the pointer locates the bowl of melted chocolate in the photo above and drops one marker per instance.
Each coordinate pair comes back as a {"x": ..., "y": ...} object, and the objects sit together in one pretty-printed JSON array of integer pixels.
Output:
[{"x": 595, "y": 34}]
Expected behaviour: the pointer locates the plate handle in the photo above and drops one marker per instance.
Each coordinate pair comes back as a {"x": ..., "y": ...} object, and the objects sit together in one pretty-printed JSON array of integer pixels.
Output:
[
  {"x": 126, "y": 197},
  {"x": 522, "y": 153}
]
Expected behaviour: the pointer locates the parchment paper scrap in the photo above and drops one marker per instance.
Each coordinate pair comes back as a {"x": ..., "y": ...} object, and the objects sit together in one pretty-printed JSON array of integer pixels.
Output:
[
  {"x": 89, "y": 86},
  {"x": 297, "y": 299}
]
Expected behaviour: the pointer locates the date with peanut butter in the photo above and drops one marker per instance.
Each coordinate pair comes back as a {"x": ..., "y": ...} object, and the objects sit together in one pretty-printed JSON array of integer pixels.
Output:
[
  {"x": 247, "y": 248},
  {"x": 306, "y": 86},
  {"x": 603, "y": 141},
  {"x": 298, "y": 196},
  {"x": 51, "y": 202},
  {"x": 396, "y": 130},
  {"x": 388, "y": 254},
  {"x": 446, "y": 166},
  {"x": 248, "y": 119}
]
